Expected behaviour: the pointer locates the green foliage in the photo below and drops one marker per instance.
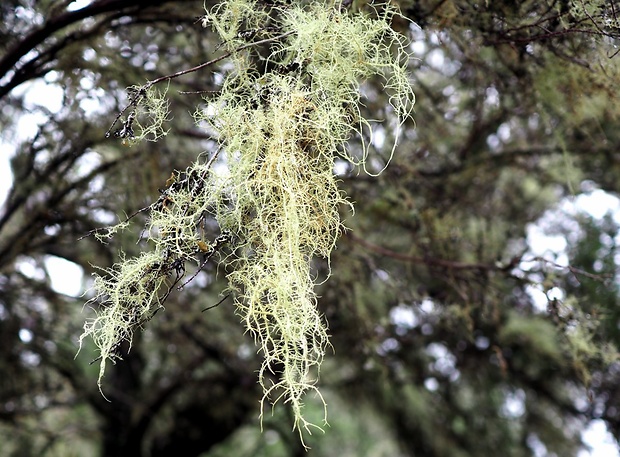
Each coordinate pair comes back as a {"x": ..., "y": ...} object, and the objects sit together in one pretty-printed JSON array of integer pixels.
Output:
[
  {"x": 533, "y": 334},
  {"x": 451, "y": 339}
]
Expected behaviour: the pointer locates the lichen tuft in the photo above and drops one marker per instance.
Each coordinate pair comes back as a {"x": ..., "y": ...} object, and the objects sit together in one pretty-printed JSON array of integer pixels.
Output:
[{"x": 280, "y": 131}]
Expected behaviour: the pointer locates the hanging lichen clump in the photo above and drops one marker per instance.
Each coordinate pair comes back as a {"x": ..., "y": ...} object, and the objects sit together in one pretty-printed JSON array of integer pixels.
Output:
[{"x": 280, "y": 131}]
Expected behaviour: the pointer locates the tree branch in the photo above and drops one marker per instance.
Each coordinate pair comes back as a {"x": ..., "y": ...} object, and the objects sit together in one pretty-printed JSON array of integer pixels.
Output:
[{"x": 141, "y": 92}]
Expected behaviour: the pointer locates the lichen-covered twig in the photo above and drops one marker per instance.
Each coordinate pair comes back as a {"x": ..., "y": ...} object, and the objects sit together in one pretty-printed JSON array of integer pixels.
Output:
[{"x": 277, "y": 204}]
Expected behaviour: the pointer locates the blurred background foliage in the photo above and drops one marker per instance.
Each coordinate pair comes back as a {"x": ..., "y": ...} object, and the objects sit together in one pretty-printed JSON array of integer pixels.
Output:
[{"x": 473, "y": 305}]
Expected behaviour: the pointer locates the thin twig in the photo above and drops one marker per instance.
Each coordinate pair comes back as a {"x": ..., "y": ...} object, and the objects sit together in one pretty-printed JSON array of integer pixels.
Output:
[
  {"x": 574, "y": 270},
  {"x": 217, "y": 304},
  {"x": 141, "y": 92},
  {"x": 427, "y": 260},
  {"x": 217, "y": 59},
  {"x": 455, "y": 265}
]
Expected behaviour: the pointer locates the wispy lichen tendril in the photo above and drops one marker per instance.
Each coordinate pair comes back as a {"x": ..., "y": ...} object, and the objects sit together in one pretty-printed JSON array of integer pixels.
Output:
[{"x": 280, "y": 131}]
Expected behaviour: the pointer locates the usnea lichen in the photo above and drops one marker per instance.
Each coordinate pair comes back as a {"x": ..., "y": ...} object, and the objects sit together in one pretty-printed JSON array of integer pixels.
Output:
[{"x": 280, "y": 131}]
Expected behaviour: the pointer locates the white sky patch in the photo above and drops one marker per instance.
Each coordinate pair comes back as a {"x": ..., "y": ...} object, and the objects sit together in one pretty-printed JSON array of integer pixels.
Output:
[
  {"x": 28, "y": 124},
  {"x": 436, "y": 58},
  {"x": 341, "y": 167},
  {"x": 427, "y": 306},
  {"x": 598, "y": 203},
  {"x": 537, "y": 447},
  {"x": 445, "y": 362},
  {"x": 542, "y": 244},
  {"x": 538, "y": 297},
  {"x": 403, "y": 316},
  {"x": 25, "y": 335},
  {"x": 542, "y": 240},
  {"x": 40, "y": 93},
  {"x": 6, "y": 177},
  {"x": 514, "y": 404},
  {"x": 66, "y": 277},
  {"x": 503, "y": 132},
  {"x": 78, "y": 5},
  {"x": 28, "y": 267},
  {"x": 37, "y": 94},
  {"x": 431, "y": 384},
  {"x": 491, "y": 96},
  {"x": 601, "y": 442},
  {"x": 555, "y": 293},
  {"x": 418, "y": 47},
  {"x": 377, "y": 138}
]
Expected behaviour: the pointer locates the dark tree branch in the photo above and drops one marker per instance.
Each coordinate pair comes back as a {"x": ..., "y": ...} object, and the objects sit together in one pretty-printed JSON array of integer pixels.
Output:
[
  {"x": 38, "y": 65},
  {"x": 53, "y": 25}
]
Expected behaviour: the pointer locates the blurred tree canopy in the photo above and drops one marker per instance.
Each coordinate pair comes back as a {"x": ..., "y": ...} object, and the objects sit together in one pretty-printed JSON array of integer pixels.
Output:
[{"x": 452, "y": 336}]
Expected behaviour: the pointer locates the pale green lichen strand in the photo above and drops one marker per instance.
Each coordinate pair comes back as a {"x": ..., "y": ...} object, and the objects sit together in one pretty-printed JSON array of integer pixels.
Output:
[{"x": 280, "y": 133}]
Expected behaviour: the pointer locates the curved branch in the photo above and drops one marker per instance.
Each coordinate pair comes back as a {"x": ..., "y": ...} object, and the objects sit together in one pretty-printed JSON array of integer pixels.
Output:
[
  {"x": 35, "y": 38},
  {"x": 57, "y": 23}
]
